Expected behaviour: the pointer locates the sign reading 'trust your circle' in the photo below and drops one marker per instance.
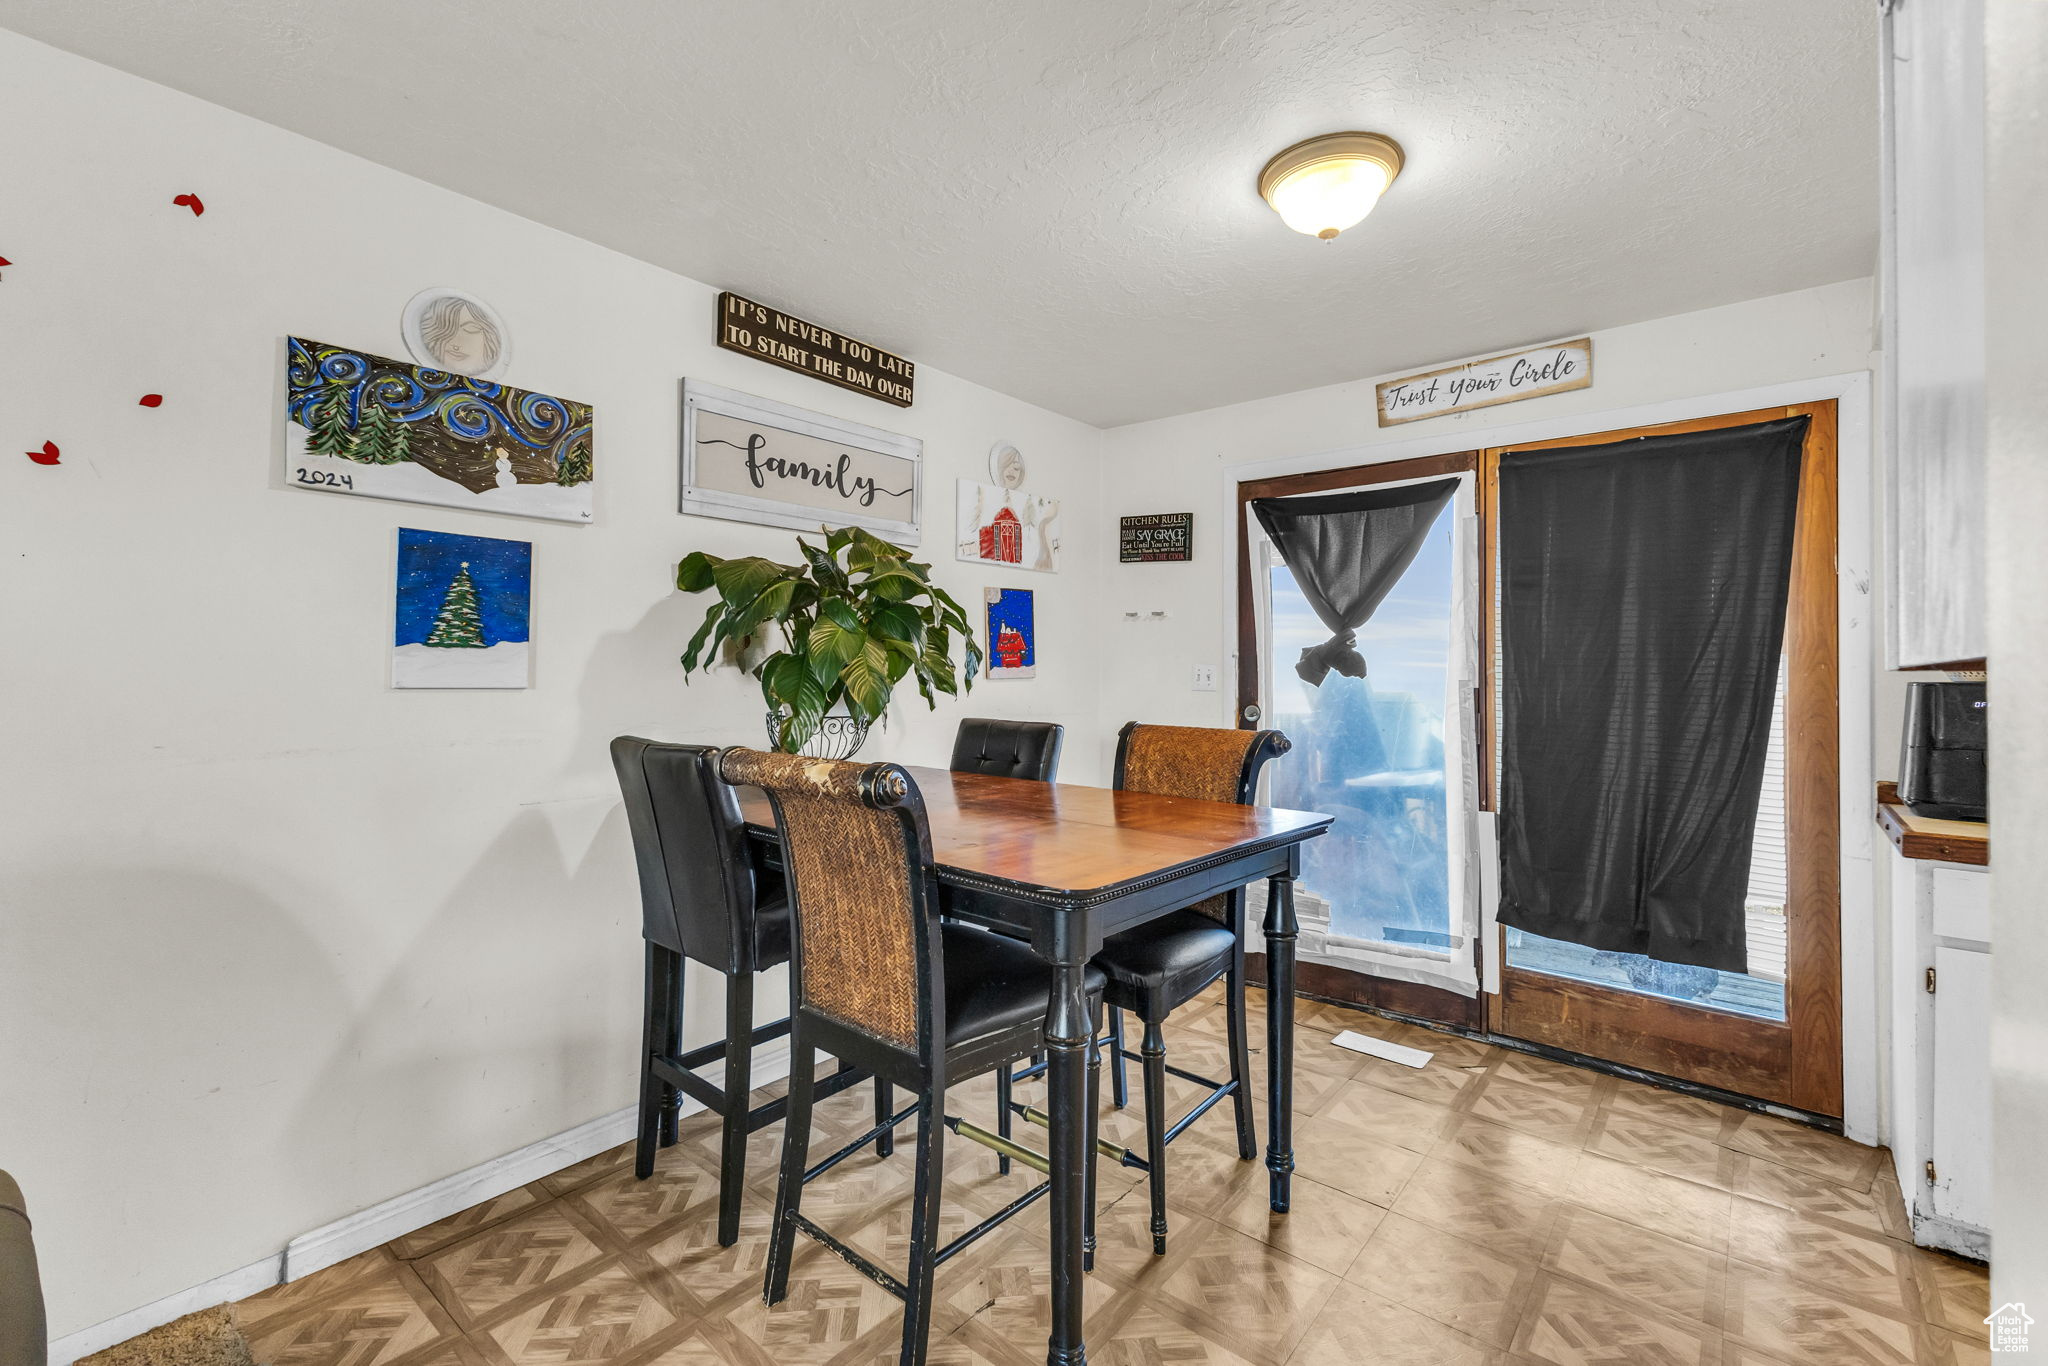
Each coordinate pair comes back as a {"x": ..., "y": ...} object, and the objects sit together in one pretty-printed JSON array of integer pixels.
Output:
[{"x": 1483, "y": 383}]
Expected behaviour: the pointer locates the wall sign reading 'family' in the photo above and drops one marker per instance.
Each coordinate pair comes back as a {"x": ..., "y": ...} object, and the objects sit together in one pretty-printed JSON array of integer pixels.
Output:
[
  {"x": 782, "y": 339},
  {"x": 751, "y": 459},
  {"x": 1155, "y": 537},
  {"x": 1482, "y": 383}
]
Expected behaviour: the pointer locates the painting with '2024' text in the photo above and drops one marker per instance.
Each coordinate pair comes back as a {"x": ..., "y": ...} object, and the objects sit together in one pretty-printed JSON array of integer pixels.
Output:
[{"x": 366, "y": 424}]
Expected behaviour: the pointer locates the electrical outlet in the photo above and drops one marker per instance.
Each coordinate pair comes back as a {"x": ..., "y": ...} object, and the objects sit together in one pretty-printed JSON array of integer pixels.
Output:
[{"x": 1205, "y": 678}]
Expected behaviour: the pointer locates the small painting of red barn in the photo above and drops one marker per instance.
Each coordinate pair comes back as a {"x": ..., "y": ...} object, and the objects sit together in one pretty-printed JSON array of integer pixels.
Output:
[
  {"x": 1006, "y": 526},
  {"x": 1002, "y": 540}
]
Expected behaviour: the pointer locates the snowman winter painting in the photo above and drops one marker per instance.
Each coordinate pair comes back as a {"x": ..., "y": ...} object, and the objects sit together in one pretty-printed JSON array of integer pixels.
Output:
[
  {"x": 463, "y": 608},
  {"x": 364, "y": 424}
]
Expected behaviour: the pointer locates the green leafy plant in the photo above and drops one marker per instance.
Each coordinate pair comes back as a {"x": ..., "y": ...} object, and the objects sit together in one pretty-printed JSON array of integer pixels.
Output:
[{"x": 855, "y": 618}]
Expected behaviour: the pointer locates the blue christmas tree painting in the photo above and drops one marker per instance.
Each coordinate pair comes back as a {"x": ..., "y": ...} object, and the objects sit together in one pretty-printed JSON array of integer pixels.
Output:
[{"x": 463, "y": 606}]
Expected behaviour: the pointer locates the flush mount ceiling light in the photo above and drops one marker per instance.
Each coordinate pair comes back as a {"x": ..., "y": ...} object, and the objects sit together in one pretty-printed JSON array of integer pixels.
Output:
[{"x": 1328, "y": 183}]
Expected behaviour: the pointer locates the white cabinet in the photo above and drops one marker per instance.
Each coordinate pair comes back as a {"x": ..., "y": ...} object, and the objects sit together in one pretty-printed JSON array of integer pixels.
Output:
[
  {"x": 1960, "y": 1141},
  {"x": 1940, "y": 1101}
]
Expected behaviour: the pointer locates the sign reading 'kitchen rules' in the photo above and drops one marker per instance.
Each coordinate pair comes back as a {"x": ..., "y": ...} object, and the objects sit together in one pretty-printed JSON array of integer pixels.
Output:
[
  {"x": 1156, "y": 537},
  {"x": 1482, "y": 383},
  {"x": 782, "y": 339},
  {"x": 751, "y": 459}
]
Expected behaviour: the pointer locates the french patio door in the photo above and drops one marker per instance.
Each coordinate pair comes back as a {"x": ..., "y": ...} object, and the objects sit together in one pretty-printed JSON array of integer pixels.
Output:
[
  {"x": 1389, "y": 899},
  {"x": 1773, "y": 1033}
]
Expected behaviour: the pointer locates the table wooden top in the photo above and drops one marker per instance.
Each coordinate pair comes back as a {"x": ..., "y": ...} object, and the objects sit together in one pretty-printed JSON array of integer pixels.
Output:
[{"x": 1071, "y": 839}]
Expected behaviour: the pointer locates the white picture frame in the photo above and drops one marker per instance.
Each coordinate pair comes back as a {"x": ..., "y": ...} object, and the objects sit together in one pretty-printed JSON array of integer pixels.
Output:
[
  {"x": 1006, "y": 528},
  {"x": 870, "y": 478}
]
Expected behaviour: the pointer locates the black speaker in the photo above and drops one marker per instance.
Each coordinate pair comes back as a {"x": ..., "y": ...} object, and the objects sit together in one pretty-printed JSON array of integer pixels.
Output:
[{"x": 1941, "y": 772}]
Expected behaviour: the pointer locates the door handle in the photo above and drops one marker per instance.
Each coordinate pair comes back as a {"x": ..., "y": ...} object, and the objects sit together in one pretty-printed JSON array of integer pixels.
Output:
[{"x": 1252, "y": 713}]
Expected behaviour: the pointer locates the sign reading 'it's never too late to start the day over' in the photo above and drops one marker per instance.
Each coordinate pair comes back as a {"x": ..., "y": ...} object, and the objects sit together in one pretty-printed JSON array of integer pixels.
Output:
[
  {"x": 781, "y": 339},
  {"x": 1483, "y": 383}
]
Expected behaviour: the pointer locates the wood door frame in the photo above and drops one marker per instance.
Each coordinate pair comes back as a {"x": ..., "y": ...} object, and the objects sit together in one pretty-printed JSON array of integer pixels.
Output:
[
  {"x": 1329, "y": 981},
  {"x": 1797, "y": 1062}
]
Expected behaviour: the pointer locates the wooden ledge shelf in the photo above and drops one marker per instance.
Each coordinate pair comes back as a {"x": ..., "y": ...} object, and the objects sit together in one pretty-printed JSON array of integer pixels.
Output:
[{"x": 1925, "y": 838}]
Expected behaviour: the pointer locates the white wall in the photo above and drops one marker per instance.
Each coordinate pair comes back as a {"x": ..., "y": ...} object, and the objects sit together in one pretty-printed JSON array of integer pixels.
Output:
[
  {"x": 2017, "y": 202},
  {"x": 276, "y": 942}
]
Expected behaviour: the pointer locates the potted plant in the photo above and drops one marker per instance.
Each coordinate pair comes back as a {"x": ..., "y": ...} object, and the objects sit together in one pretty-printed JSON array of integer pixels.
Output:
[{"x": 854, "y": 618}]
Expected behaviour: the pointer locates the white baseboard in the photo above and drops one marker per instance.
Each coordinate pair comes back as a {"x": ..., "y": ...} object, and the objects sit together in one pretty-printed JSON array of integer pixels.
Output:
[
  {"x": 379, "y": 1224},
  {"x": 234, "y": 1285},
  {"x": 1952, "y": 1235}
]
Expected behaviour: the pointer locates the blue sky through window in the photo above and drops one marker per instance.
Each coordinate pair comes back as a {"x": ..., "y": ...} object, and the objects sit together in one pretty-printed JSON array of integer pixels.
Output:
[{"x": 1371, "y": 752}]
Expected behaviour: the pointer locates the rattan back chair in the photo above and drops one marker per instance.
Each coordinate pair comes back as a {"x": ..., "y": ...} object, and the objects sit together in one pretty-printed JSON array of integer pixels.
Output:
[
  {"x": 879, "y": 980},
  {"x": 703, "y": 898},
  {"x": 1156, "y": 967}
]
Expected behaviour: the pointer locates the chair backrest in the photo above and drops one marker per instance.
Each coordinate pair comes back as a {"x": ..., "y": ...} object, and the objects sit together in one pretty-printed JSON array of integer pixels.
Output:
[
  {"x": 24, "y": 1333},
  {"x": 696, "y": 882},
  {"x": 1205, "y": 763},
  {"x": 856, "y": 849},
  {"x": 1009, "y": 749}
]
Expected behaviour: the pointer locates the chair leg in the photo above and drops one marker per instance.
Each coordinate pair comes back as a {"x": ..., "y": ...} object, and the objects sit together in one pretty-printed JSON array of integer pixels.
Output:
[
  {"x": 924, "y": 1227},
  {"x": 885, "y": 1105},
  {"x": 1003, "y": 1114},
  {"x": 739, "y": 1081},
  {"x": 651, "y": 1086},
  {"x": 1094, "y": 1125},
  {"x": 1240, "y": 1059},
  {"x": 796, "y": 1152},
  {"x": 672, "y": 1044},
  {"x": 1154, "y": 1051},
  {"x": 1119, "y": 1085}
]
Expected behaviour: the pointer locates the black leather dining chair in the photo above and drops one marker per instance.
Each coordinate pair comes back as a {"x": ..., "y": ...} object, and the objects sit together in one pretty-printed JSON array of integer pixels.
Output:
[
  {"x": 702, "y": 899},
  {"x": 1159, "y": 966},
  {"x": 879, "y": 979},
  {"x": 1008, "y": 749}
]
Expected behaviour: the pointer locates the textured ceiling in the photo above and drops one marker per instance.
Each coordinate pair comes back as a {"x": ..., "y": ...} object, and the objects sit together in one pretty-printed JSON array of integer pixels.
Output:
[{"x": 1056, "y": 198}]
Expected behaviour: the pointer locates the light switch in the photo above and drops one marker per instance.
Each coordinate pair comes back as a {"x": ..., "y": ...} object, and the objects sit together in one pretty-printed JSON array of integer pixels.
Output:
[{"x": 1205, "y": 678}]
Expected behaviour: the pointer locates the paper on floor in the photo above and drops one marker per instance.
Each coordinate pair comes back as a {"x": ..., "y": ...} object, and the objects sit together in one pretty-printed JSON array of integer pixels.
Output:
[{"x": 1380, "y": 1048}]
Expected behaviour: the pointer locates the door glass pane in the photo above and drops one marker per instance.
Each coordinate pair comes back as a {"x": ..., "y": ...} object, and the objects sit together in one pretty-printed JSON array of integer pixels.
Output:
[
  {"x": 1370, "y": 752},
  {"x": 1759, "y": 992}
]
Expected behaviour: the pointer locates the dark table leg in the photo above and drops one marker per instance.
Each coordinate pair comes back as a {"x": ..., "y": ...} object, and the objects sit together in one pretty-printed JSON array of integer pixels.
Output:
[
  {"x": 1067, "y": 1038},
  {"x": 1281, "y": 929}
]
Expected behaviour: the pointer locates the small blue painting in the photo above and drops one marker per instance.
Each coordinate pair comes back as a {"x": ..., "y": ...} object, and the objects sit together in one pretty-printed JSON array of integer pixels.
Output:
[
  {"x": 463, "y": 606},
  {"x": 1012, "y": 633}
]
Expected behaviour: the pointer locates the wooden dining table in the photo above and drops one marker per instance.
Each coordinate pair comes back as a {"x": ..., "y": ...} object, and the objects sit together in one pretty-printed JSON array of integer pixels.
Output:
[{"x": 1062, "y": 867}]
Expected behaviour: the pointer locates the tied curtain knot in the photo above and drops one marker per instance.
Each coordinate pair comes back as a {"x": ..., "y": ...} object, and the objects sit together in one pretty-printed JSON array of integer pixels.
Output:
[{"x": 1339, "y": 654}]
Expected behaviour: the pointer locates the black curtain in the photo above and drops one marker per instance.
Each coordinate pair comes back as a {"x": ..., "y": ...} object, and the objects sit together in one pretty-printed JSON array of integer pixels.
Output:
[
  {"x": 1643, "y": 591},
  {"x": 1346, "y": 552}
]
